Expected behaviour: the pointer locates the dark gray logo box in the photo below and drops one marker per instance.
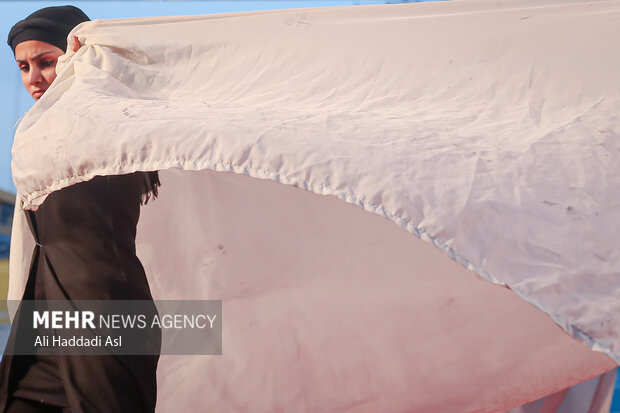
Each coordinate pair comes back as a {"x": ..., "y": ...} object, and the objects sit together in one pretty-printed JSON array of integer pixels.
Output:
[{"x": 124, "y": 327}]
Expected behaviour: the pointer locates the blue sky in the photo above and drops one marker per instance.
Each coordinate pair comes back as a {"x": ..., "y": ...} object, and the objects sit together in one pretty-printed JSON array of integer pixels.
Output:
[{"x": 14, "y": 99}]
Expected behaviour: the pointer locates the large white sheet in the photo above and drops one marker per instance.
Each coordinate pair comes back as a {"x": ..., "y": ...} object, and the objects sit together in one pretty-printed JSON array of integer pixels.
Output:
[
  {"x": 487, "y": 128},
  {"x": 329, "y": 308}
]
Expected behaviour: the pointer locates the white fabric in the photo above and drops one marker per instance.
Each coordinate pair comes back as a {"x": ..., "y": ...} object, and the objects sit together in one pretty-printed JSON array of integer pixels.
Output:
[
  {"x": 329, "y": 308},
  {"x": 487, "y": 128},
  {"x": 591, "y": 396},
  {"x": 22, "y": 245}
]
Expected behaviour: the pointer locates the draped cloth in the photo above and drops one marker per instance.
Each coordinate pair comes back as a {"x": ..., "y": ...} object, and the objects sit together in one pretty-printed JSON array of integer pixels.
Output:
[{"x": 473, "y": 265}]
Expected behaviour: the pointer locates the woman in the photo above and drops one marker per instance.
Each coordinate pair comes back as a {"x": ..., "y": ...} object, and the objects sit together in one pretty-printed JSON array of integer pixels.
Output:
[{"x": 85, "y": 250}]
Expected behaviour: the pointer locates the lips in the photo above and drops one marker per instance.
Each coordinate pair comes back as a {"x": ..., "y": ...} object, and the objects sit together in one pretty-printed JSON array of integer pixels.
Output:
[{"x": 37, "y": 94}]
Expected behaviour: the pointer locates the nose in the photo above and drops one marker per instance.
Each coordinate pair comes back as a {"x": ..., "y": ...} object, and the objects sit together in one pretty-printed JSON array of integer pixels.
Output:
[{"x": 35, "y": 76}]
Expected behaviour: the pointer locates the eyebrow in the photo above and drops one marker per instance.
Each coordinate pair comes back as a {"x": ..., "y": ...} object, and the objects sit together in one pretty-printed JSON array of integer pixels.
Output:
[{"x": 36, "y": 57}]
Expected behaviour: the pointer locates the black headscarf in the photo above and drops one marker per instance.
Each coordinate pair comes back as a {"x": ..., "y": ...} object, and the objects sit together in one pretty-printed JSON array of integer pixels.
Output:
[{"x": 50, "y": 25}]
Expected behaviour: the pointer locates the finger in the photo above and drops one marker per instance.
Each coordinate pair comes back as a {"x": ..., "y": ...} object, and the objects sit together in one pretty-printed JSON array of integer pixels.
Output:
[{"x": 76, "y": 44}]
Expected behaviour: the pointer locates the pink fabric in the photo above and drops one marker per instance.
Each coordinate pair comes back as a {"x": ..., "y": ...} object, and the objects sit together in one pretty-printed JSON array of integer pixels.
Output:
[
  {"x": 330, "y": 308},
  {"x": 592, "y": 396}
]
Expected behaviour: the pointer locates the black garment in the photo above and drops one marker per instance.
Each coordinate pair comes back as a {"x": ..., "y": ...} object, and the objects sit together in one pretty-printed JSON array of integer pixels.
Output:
[
  {"x": 86, "y": 251},
  {"x": 19, "y": 405}
]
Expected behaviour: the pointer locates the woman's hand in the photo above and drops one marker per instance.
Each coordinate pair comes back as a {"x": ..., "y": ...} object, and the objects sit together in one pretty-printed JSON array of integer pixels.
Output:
[{"x": 76, "y": 44}]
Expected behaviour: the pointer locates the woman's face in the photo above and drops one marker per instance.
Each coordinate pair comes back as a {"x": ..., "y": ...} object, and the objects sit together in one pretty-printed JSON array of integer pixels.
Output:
[{"x": 37, "y": 62}]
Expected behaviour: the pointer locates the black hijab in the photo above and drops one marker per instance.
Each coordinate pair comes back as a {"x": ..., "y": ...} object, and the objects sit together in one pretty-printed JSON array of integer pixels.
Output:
[{"x": 51, "y": 25}]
